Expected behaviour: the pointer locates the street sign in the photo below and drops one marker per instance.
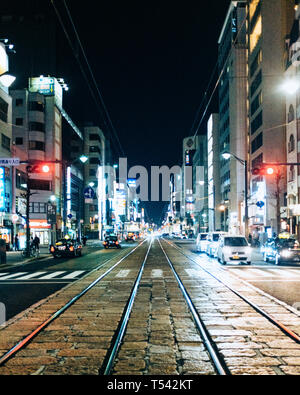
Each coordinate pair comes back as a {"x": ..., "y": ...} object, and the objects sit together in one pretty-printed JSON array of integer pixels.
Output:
[
  {"x": 9, "y": 161},
  {"x": 89, "y": 193},
  {"x": 260, "y": 204}
]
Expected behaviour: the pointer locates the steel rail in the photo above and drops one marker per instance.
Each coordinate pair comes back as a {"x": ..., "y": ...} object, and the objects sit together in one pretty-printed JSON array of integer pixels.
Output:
[
  {"x": 217, "y": 359},
  {"x": 120, "y": 331},
  {"x": 27, "y": 339},
  {"x": 292, "y": 335}
]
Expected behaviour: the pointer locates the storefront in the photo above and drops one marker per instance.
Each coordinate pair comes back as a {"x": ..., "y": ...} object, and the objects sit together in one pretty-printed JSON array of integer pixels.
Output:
[{"x": 41, "y": 229}]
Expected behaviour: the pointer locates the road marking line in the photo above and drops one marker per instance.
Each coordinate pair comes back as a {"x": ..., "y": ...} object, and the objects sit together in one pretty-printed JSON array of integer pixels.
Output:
[
  {"x": 73, "y": 275},
  {"x": 3, "y": 274},
  {"x": 281, "y": 272},
  {"x": 157, "y": 273},
  {"x": 12, "y": 276},
  {"x": 261, "y": 272},
  {"x": 51, "y": 275},
  {"x": 29, "y": 276},
  {"x": 123, "y": 273}
]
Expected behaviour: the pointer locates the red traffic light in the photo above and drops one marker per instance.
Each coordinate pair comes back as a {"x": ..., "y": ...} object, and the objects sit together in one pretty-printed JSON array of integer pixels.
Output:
[
  {"x": 263, "y": 171},
  {"x": 42, "y": 168}
]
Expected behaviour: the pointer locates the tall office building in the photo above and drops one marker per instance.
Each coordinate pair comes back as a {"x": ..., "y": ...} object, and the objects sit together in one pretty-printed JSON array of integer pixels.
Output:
[
  {"x": 269, "y": 23},
  {"x": 232, "y": 60}
]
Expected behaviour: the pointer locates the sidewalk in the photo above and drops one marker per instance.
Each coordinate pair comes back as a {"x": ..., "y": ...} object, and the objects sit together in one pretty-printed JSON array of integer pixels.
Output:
[{"x": 15, "y": 257}]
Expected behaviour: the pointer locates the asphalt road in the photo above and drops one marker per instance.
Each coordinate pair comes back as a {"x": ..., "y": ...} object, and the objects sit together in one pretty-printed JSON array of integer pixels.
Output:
[
  {"x": 22, "y": 285},
  {"x": 281, "y": 282}
]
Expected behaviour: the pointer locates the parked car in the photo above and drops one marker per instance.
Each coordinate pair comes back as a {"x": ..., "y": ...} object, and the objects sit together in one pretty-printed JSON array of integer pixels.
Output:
[
  {"x": 65, "y": 247},
  {"x": 201, "y": 242},
  {"x": 111, "y": 242},
  {"x": 282, "y": 250},
  {"x": 234, "y": 249},
  {"x": 212, "y": 243}
]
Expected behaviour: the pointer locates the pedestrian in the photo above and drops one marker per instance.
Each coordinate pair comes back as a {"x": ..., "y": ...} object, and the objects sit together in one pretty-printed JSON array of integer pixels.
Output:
[
  {"x": 84, "y": 240},
  {"x": 36, "y": 243},
  {"x": 17, "y": 245}
]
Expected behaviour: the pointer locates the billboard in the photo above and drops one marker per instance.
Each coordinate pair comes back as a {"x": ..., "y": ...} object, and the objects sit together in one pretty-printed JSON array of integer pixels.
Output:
[{"x": 3, "y": 60}]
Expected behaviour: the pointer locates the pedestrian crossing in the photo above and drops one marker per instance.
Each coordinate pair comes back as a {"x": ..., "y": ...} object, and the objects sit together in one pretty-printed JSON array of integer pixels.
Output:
[
  {"x": 266, "y": 274},
  {"x": 42, "y": 276}
]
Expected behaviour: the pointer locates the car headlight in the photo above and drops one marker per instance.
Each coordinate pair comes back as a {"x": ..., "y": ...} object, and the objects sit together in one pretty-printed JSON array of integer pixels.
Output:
[{"x": 285, "y": 253}]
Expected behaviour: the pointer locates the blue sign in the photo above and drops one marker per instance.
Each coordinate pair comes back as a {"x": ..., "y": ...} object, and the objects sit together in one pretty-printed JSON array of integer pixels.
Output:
[
  {"x": 2, "y": 189},
  {"x": 260, "y": 204},
  {"x": 131, "y": 182},
  {"x": 89, "y": 193}
]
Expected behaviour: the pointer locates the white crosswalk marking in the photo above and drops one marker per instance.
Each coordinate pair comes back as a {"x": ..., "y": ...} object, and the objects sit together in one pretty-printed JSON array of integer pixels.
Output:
[
  {"x": 51, "y": 275},
  {"x": 73, "y": 275},
  {"x": 12, "y": 276},
  {"x": 281, "y": 272},
  {"x": 266, "y": 272},
  {"x": 29, "y": 276},
  {"x": 36, "y": 276}
]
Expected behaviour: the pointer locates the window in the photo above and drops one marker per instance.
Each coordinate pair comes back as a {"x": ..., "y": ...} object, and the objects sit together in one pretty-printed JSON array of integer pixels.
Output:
[
  {"x": 256, "y": 123},
  {"x": 37, "y": 145},
  {"x": 38, "y": 208},
  {"x": 257, "y": 162},
  {"x": 256, "y": 33},
  {"x": 291, "y": 175},
  {"x": 3, "y": 110},
  {"x": 291, "y": 114},
  {"x": 257, "y": 143},
  {"x": 19, "y": 140},
  {"x": 256, "y": 83},
  {"x": 40, "y": 185},
  {"x": 94, "y": 161},
  {"x": 291, "y": 145},
  {"x": 256, "y": 103},
  {"x": 5, "y": 142},
  {"x": 36, "y": 106},
  {"x": 19, "y": 102},
  {"x": 256, "y": 62},
  {"x": 37, "y": 127},
  {"x": 19, "y": 121},
  {"x": 92, "y": 172},
  {"x": 94, "y": 137}
]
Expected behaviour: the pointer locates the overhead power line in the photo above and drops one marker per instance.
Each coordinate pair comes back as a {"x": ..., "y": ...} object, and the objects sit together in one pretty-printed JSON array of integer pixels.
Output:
[{"x": 102, "y": 109}]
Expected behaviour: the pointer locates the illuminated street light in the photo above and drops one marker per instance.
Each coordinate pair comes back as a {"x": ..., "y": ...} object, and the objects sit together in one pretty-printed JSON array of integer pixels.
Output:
[{"x": 83, "y": 158}]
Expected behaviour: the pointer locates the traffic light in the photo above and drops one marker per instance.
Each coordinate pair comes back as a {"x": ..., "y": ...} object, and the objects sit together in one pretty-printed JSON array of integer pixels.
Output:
[
  {"x": 264, "y": 171},
  {"x": 41, "y": 168}
]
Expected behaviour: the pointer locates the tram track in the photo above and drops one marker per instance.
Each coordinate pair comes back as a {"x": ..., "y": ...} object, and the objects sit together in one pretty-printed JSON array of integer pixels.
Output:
[
  {"x": 27, "y": 339},
  {"x": 289, "y": 333},
  {"x": 122, "y": 290}
]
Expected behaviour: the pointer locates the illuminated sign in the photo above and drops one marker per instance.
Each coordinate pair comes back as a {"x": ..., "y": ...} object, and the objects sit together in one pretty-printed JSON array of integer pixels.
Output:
[
  {"x": 3, "y": 60},
  {"x": 2, "y": 189},
  {"x": 131, "y": 182},
  {"x": 47, "y": 86}
]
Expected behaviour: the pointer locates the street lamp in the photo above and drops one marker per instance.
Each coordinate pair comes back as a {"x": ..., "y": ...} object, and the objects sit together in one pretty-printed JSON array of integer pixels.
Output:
[{"x": 227, "y": 156}]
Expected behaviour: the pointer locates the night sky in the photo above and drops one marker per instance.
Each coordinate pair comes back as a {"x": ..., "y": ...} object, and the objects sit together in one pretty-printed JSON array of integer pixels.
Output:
[{"x": 152, "y": 61}]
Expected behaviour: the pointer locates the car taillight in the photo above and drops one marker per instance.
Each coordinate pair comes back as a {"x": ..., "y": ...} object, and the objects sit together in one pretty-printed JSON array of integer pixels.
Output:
[
  {"x": 52, "y": 249},
  {"x": 117, "y": 242},
  {"x": 71, "y": 248}
]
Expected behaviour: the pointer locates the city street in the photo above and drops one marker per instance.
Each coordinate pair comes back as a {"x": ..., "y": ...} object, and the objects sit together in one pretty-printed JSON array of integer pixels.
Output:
[
  {"x": 156, "y": 308},
  {"x": 23, "y": 284}
]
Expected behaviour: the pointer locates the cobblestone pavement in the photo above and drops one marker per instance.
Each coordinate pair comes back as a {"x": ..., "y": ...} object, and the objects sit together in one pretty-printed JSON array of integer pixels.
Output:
[{"x": 161, "y": 337}]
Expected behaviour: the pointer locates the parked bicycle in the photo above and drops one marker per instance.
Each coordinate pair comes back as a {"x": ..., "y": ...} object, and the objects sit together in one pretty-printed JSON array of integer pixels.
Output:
[{"x": 34, "y": 252}]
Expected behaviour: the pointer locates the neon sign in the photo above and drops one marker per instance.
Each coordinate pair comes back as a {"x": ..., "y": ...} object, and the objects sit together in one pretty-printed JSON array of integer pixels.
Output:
[{"x": 2, "y": 189}]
